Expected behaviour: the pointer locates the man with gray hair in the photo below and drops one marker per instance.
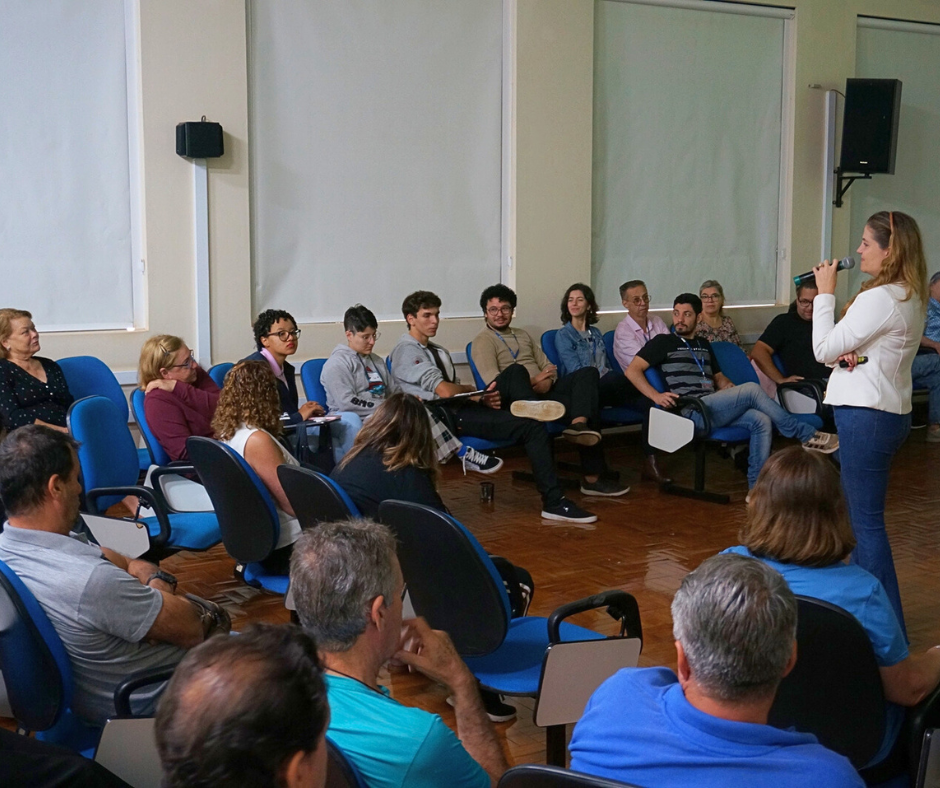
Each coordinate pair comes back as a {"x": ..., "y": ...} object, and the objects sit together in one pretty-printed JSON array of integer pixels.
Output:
[
  {"x": 349, "y": 590},
  {"x": 735, "y": 627}
]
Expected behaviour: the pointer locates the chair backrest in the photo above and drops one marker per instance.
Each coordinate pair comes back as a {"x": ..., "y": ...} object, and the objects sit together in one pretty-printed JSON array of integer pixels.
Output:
[
  {"x": 35, "y": 666},
  {"x": 835, "y": 690},
  {"x": 734, "y": 363},
  {"x": 609, "y": 347},
  {"x": 107, "y": 454},
  {"x": 88, "y": 376},
  {"x": 340, "y": 771},
  {"x": 248, "y": 518},
  {"x": 778, "y": 363},
  {"x": 218, "y": 372},
  {"x": 157, "y": 453},
  {"x": 315, "y": 497},
  {"x": 451, "y": 580},
  {"x": 477, "y": 380},
  {"x": 548, "y": 348},
  {"x": 654, "y": 377},
  {"x": 537, "y": 775},
  {"x": 310, "y": 378}
]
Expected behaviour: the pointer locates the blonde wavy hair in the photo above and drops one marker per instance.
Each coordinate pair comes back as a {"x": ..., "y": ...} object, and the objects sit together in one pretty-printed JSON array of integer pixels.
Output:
[
  {"x": 249, "y": 397},
  {"x": 400, "y": 431},
  {"x": 905, "y": 264},
  {"x": 7, "y": 316},
  {"x": 154, "y": 355}
]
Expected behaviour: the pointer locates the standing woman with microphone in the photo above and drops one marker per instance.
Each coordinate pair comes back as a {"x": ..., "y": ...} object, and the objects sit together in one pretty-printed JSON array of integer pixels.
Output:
[{"x": 876, "y": 339}]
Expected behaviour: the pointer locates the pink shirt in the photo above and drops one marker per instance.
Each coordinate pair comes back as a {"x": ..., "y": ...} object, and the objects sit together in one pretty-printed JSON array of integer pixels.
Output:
[
  {"x": 629, "y": 337},
  {"x": 276, "y": 368}
]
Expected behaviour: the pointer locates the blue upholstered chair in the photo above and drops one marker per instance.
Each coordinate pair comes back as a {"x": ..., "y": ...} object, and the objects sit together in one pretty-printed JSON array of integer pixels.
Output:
[
  {"x": 158, "y": 455},
  {"x": 218, "y": 372},
  {"x": 88, "y": 376},
  {"x": 454, "y": 584},
  {"x": 315, "y": 497},
  {"x": 310, "y": 373},
  {"x": 109, "y": 470},
  {"x": 248, "y": 518},
  {"x": 38, "y": 673}
]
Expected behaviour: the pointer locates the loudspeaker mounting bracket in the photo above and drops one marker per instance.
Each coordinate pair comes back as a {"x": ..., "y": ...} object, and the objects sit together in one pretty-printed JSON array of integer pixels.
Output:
[{"x": 843, "y": 182}]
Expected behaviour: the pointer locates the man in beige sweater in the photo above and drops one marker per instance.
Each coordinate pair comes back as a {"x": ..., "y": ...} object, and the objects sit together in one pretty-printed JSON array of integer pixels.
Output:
[{"x": 525, "y": 378}]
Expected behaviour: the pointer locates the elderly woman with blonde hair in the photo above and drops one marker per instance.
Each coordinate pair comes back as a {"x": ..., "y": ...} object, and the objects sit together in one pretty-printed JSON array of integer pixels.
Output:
[{"x": 33, "y": 389}]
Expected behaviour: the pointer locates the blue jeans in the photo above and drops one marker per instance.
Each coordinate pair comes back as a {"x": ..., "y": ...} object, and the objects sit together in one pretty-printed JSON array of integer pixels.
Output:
[
  {"x": 925, "y": 373},
  {"x": 343, "y": 431},
  {"x": 868, "y": 441},
  {"x": 749, "y": 407}
]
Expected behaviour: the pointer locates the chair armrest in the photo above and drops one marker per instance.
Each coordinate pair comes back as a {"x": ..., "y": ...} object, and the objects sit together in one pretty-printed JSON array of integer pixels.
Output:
[
  {"x": 920, "y": 718},
  {"x": 696, "y": 404},
  {"x": 142, "y": 678},
  {"x": 620, "y": 605},
  {"x": 814, "y": 389},
  {"x": 153, "y": 498}
]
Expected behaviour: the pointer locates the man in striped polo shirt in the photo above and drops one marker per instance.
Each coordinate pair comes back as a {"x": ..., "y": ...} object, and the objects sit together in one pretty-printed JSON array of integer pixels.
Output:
[{"x": 690, "y": 369}]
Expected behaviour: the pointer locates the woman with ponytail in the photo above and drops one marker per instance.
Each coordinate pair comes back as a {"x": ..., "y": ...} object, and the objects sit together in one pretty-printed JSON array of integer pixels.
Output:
[{"x": 876, "y": 341}]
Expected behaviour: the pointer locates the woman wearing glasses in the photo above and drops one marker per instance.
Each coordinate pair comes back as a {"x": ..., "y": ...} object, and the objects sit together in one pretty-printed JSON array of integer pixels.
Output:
[
  {"x": 877, "y": 339},
  {"x": 276, "y": 337},
  {"x": 713, "y": 324},
  {"x": 32, "y": 389},
  {"x": 181, "y": 397}
]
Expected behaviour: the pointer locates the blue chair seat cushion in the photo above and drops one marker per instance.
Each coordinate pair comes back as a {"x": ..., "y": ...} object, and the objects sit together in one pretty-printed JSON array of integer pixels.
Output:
[
  {"x": 188, "y": 530},
  {"x": 73, "y": 733},
  {"x": 482, "y": 444},
  {"x": 257, "y": 574},
  {"x": 730, "y": 435},
  {"x": 621, "y": 415},
  {"x": 516, "y": 666}
]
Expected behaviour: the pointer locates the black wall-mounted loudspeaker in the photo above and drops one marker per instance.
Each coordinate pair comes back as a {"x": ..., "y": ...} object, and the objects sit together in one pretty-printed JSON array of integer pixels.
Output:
[
  {"x": 199, "y": 140},
  {"x": 870, "y": 125}
]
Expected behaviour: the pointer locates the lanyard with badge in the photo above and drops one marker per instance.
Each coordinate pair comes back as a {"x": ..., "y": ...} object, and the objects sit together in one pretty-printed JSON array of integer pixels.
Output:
[
  {"x": 701, "y": 367},
  {"x": 501, "y": 339}
]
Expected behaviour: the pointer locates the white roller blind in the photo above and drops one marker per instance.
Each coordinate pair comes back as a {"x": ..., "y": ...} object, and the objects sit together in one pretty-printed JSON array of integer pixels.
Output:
[
  {"x": 687, "y": 150},
  {"x": 66, "y": 241},
  {"x": 912, "y": 54},
  {"x": 375, "y": 130}
]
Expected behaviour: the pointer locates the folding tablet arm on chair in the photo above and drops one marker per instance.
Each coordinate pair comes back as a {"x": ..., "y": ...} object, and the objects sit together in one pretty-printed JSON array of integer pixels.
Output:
[
  {"x": 573, "y": 670},
  {"x": 151, "y": 496},
  {"x": 669, "y": 431},
  {"x": 802, "y": 396}
]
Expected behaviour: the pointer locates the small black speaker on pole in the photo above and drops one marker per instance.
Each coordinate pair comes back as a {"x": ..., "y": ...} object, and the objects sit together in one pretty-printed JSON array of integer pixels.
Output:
[
  {"x": 870, "y": 125},
  {"x": 199, "y": 139}
]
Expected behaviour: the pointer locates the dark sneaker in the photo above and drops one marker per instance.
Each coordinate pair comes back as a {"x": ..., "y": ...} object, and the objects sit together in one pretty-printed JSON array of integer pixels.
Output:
[
  {"x": 604, "y": 488},
  {"x": 496, "y": 709},
  {"x": 567, "y": 512},
  {"x": 581, "y": 434},
  {"x": 537, "y": 409},
  {"x": 474, "y": 460},
  {"x": 824, "y": 442}
]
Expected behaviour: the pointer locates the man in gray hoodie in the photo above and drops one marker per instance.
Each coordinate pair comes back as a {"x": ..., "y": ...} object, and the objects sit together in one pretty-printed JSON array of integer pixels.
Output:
[{"x": 357, "y": 381}]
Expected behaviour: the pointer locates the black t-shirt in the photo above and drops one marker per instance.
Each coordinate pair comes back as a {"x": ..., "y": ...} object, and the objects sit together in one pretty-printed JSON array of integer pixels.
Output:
[
  {"x": 688, "y": 366},
  {"x": 791, "y": 338},
  {"x": 369, "y": 482}
]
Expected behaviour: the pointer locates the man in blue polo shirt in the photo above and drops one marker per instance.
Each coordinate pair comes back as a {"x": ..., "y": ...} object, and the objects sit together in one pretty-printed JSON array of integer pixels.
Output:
[
  {"x": 734, "y": 620},
  {"x": 348, "y": 588}
]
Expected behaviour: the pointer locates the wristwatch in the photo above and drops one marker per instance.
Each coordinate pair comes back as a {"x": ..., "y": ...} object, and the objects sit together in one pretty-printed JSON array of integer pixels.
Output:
[{"x": 166, "y": 577}]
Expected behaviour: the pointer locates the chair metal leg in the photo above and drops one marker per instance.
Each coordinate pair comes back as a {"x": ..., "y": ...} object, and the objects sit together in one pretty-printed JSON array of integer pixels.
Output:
[
  {"x": 555, "y": 746},
  {"x": 698, "y": 491}
]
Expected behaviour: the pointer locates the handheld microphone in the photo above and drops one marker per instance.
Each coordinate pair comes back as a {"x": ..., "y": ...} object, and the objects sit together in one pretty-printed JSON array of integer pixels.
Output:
[
  {"x": 861, "y": 360},
  {"x": 842, "y": 265}
]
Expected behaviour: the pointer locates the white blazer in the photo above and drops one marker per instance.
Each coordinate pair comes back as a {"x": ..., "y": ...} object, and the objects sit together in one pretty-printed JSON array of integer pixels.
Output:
[{"x": 881, "y": 326}]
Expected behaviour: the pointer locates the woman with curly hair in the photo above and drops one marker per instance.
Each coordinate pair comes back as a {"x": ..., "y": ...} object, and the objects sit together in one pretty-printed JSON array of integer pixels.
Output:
[
  {"x": 248, "y": 419},
  {"x": 394, "y": 456}
]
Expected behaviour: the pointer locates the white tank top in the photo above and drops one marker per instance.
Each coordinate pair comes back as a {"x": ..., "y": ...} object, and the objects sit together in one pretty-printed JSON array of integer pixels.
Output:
[{"x": 290, "y": 526}]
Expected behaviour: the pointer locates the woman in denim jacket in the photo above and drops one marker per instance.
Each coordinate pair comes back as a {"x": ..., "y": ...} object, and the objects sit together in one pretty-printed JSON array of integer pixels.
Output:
[{"x": 579, "y": 344}]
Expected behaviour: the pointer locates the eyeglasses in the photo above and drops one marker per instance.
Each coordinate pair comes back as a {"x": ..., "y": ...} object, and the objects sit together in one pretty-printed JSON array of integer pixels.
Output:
[
  {"x": 370, "y": 337},
  {"x": 187, "y": 364},
  {"x": 804, "y": 302},
  {"x": 711, "y": 297},
  {"x": 283, "y": 335},
  {"x": 499, "y": 310},
  {"x": 643, "y": 299}
]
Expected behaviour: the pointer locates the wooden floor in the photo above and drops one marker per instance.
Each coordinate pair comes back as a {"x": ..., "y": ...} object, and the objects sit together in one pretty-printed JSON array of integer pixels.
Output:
[{"x": 643, "y": 543}]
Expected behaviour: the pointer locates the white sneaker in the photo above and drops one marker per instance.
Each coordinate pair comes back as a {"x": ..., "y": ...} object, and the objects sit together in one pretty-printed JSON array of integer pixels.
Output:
[
  {"x": 537, "y": 409},
  {"x": 824, "y": 442},
  {"x": 474, "y": 460}
]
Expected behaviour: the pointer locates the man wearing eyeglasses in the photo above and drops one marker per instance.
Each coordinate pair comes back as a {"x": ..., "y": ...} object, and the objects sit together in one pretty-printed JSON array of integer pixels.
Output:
[
  {"x": 638, "y": 327},
  {"x": 790, "y": 336},
  {"x": 530, "y": 386}
]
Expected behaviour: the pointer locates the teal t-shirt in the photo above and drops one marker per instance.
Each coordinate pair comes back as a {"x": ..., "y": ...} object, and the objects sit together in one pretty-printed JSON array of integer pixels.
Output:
[{"x": 393, "y": 745}]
